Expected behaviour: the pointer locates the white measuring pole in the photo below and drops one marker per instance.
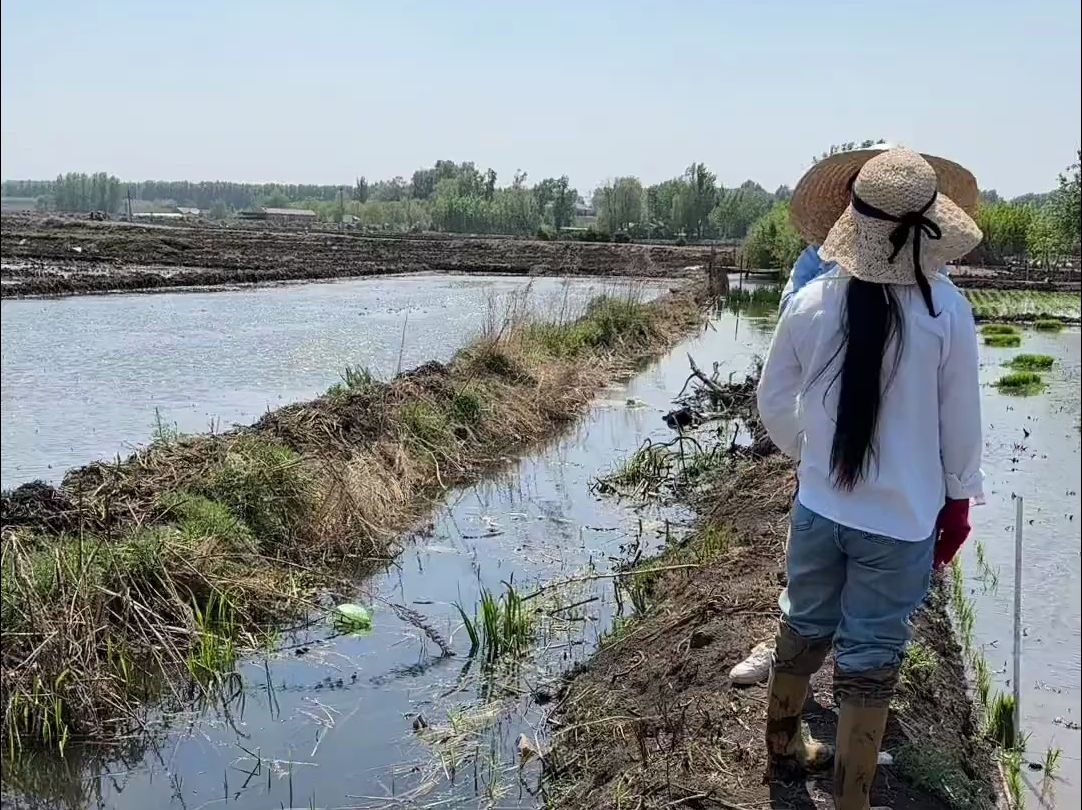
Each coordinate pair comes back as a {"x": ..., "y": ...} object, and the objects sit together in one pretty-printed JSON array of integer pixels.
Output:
[{"x": 1018, "y": 619}]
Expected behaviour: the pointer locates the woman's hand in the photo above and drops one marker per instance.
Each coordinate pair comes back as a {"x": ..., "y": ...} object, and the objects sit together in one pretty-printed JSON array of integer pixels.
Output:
[{"x": 952, "y": 529}]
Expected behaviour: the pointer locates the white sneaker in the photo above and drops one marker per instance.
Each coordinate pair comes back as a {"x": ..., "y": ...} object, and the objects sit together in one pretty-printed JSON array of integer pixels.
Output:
[{"x": 755, "y": 668}]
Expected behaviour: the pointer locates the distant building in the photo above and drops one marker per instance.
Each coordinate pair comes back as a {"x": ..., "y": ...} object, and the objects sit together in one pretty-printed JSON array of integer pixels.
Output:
[
  {"x": 157, "y": 215},
  {"x": 279, "y": 214}
]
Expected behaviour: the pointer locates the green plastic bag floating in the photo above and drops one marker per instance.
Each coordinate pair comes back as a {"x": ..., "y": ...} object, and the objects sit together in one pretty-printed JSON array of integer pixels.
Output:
[{"x": 351, "y": 618}]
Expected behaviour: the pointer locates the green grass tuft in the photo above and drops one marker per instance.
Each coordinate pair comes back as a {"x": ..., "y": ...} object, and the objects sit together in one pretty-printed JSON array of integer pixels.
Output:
[
  {"x": 608, "y": 323},
  {"x": 1022, "y": 383},
  {"x": 759, "y": 299},
  {"x": 199, "y": 517},
  {"x": 1000, "y": 329},
  {"x": 467, "y": 407},
  {"x": 354, "y": 379},
  {"x": 1032, "y": 362},
  {"x": 426, "y": 425},
  {"x": 1048, "y": 325},
  {"x": 920, "y": 661},
  {"x": 1003, "y": 341},
  {"x": 714, "y": 540},
  {"x": 264, "y": 485}
]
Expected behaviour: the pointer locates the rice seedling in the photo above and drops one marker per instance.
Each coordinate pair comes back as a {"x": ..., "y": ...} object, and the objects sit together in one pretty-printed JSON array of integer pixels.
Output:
[
  {"x": 1048, "y": 325},
  {"x": 1051, "y": 761},
  {"x": 1000, "y": 721},
  {"x": 1020, "y": 383},
  {"x": 1000, "y": 329},
  {"x": 504, "y": 627},
  {"x": 991, "y": 304},
  {"x": 1032, "y": 362},
  {"x": 1003, "y": 341},
  {"x": 982, "y": 678},
  {"x": 1012, "y": 766},
  {"x": 757, "y": 298}
]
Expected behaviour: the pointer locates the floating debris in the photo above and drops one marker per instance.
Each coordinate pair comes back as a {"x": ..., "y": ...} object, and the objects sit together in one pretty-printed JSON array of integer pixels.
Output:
[{"x": 352, "y": 618}]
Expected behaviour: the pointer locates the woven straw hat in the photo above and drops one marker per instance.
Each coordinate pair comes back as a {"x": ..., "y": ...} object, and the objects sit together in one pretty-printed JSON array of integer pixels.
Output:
[
  {"x": 823, "y": 192},
  {"x": 897, "y": 221}
]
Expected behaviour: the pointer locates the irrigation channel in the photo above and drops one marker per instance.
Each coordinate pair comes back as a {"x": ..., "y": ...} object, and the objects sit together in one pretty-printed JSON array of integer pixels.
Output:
[{"x": 383, "y": 718}]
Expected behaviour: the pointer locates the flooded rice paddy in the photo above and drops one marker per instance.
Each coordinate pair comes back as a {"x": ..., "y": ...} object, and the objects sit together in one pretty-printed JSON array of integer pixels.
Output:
[
  {"x": 86, "y": 378},
  {"x": 383, "y": 719}
]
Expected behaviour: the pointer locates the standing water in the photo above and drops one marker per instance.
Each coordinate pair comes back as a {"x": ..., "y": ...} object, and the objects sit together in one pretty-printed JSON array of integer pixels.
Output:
[
  {"x": 383, "y": 718},
  {"x": 87, "y": 377},
  {"x": 1032, "y": 449},
  {"x": 334, "y": 720}
]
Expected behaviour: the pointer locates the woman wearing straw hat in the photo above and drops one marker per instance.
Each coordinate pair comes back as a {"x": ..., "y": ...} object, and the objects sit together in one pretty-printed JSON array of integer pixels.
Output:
[
  {"x": 871, "y": 385},
  {"x": 821, "y": 197}
]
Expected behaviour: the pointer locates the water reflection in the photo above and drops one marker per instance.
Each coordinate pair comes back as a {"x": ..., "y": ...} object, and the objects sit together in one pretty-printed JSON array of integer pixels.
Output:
[{"x": 85, "y": 377}]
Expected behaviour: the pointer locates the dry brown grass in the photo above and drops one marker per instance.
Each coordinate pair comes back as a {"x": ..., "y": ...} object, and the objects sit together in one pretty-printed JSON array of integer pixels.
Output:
[{"x": 196, "y": 547}]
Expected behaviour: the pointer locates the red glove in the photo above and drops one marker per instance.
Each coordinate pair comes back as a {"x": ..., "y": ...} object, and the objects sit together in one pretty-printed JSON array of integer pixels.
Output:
[{"x": 952, "y": 529}]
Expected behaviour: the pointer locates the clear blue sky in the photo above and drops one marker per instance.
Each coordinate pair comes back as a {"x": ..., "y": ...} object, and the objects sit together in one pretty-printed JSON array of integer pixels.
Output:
[{"x": 325, "y": 91}]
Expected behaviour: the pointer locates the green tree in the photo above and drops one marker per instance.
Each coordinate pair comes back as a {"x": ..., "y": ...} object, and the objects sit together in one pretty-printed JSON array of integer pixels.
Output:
[
  {"x": 1067, "y": 204},
  {"x": 835, "y": 148},
  {"x": 772, "y": 241},
  {"x": 360, "y": 190},
  {"x": 660, "y": 207},
  {"x": 1046, "y": 239},
  {"x": 738, "y": 208},
  {"x": 563, "y": 203},
  {"x": 1005, "y": 226},
  {"x": 619, "y": 204},
  {"x": 695, "y": 199}
]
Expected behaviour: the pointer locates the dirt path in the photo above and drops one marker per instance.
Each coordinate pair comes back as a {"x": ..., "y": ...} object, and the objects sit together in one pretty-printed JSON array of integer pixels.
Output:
[
  {"x": 51, "y": 256},
  {"x": 653, "y": 721}
]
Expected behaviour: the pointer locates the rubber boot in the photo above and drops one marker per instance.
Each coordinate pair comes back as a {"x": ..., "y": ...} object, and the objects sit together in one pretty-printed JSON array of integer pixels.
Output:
[
  {"x": 787, "y": 742},
  {"x": 860, "y": 731}
]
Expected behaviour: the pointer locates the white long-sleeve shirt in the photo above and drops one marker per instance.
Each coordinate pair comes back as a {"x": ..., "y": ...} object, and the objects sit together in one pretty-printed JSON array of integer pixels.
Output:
[{"x": 928, "y": 441}]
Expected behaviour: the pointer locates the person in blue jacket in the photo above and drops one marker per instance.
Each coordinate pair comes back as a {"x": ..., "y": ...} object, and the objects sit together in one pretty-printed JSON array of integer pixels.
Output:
[{"x": 808, "y": 266}]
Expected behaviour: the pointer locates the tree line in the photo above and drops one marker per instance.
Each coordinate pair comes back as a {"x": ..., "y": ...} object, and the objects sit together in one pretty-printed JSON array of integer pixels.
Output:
[
  {"x": 1041, "y": 228},
  {"x": 462, "y": 198}
]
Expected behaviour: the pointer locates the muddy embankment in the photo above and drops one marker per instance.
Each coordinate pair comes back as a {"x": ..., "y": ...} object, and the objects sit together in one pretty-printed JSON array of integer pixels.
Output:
[
  {"x": 53, "y": 256},
  {"x": 653, "y": 721},
  {"x": 197, "y": 547}
]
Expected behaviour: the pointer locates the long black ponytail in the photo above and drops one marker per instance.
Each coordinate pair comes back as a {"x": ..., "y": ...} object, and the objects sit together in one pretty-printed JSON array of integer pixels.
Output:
[{"x": 872, "y": 319}]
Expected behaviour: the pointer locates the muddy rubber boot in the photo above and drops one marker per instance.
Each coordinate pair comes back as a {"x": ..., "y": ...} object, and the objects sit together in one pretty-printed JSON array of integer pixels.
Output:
[
  {"x": 788, "y": 744},
  {"x": 860, "y": 731}
]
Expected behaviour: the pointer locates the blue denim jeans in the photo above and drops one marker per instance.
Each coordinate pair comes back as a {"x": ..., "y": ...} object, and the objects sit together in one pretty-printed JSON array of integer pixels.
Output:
[{"x": 857, "y": 588}]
